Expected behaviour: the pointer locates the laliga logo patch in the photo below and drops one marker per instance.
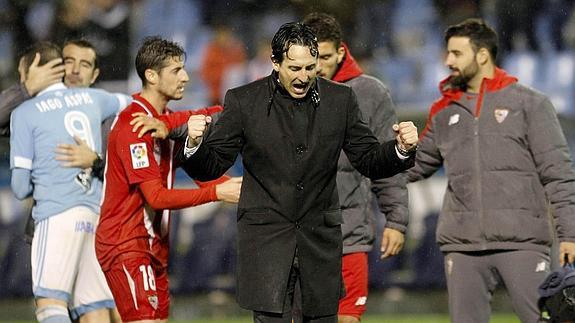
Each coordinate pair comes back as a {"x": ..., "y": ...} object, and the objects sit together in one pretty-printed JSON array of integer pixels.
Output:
[
  {"x": 139, "y": 153},
  {"x": 153, "y": 299},
  {"x": 501, "y": 114}
]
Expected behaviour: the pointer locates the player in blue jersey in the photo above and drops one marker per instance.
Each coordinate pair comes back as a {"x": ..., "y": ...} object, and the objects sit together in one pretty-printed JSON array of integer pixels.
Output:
[{"x": 65, "y": 271}]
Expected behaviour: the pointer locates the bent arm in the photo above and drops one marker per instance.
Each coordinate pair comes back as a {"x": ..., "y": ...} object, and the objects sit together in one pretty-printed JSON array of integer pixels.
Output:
[
  {"x": 221, "y": 144},
  {"x": 159, "y": 197},
  {"x": 21, "y": 183},
  {"x": 391, "y": 193},
  {"x": 180, "y": 118}
]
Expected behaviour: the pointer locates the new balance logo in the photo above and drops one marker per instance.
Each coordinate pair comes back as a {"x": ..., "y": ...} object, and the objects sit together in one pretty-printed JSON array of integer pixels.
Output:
[{"x": 361, "y": 301}]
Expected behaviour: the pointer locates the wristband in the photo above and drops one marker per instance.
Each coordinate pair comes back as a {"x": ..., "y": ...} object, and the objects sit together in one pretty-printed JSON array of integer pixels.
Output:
[
  {"x": 406, "y": 152},
  {"x": 98, "y": 167}
]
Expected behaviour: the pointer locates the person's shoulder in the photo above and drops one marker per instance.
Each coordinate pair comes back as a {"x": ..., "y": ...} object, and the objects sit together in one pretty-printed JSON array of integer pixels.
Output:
[
  {"x": 125, "y": 116},
  {"x": 524, "y": 90},
  {"x": 30, "y": 106},
  {"x": 332, "y": 86},
  {"x": 251, "y": 90},
  {"x": 368, "y": 83},
  {"x": 254, "y": 85}
]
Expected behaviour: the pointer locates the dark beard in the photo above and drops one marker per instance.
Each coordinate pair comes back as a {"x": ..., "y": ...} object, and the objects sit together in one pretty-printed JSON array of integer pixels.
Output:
[{"x": 459, "y": 82}]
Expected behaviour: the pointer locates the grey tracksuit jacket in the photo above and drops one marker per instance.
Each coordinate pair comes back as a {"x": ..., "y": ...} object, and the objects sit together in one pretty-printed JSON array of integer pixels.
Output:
[
  {"x": 356, "y": 192},
  {"x": 506, "y": 161}
]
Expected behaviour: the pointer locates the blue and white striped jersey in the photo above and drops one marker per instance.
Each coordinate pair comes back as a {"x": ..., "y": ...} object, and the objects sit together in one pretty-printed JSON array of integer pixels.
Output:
[{"x": 53, "y": 117}]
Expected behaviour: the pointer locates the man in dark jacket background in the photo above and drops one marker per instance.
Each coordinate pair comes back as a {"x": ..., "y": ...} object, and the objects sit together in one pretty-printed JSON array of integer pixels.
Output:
[
  {"x": 355, "y": 191},
  {"x": 506, "y": 159},
  {"x": 290, "y": 128}
]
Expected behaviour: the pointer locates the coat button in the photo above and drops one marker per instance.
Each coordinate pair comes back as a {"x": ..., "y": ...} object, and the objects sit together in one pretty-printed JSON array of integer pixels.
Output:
[
  {"x": 299, "y": 186},
  {"x": 300, "y": 150},
  {"x": 297, "y": 225}
]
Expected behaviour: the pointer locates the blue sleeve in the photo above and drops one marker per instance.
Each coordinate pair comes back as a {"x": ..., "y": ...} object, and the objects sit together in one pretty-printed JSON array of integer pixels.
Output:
[
  {"x": 21, "y": 141},
  {"x": 21, "y": 183},
  {"x": 113, "y": 103}
]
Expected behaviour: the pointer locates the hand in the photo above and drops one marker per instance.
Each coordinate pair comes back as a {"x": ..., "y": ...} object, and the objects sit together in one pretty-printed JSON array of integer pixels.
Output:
[
  {"x": 79, "y": 155},
  {"x": 566, "y": 250},
  {"x": 146, "y": 123},
  {"x": 229, "y": 191},
  {"x": 406, "y": 135},
  {"x": 40, "y": 77},
  {"x": 197, "y": 125},
  {"x": 391, "y": 242}
]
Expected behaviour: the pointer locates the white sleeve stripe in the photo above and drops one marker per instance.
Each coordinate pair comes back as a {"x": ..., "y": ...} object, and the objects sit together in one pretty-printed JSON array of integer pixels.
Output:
[
  {"x": 21, "y": 162},
  {"x": 123, "y": 101}
]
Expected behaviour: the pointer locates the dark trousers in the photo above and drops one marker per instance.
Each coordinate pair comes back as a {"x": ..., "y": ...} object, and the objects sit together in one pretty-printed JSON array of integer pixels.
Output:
[{"x": 286, "y": 316}]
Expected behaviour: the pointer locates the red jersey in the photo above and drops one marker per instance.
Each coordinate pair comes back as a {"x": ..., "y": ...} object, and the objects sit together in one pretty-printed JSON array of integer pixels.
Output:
[{"x": 128, "y": 224}]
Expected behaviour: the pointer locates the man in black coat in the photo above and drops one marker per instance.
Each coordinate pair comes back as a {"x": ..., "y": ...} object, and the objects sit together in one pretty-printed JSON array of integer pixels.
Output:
[{"x": 290, "y": 128}]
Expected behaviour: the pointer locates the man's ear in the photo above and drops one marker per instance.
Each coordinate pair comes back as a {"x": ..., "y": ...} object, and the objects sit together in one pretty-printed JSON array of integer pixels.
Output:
[
  {"x": 151, "y": 76},
  {"x": 95, "y": 75},
  {"x": 276, "y": 65},
  {"x": 340, "y": 54},
  {"x": 482, "y": 56}
]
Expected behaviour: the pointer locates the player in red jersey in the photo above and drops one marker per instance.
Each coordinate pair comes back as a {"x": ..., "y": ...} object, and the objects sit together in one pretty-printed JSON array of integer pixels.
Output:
[{"x": 132, "y": 236}]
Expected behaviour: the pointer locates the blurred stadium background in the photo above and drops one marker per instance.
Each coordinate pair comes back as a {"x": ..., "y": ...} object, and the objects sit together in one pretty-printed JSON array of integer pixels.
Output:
[{"x": 227, "y": 44}]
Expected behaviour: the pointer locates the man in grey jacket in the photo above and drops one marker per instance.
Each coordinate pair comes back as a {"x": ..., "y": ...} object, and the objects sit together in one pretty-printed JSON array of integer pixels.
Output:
[
  {"x": 506, "y": 159},
  {"x": 355, "y": 191}
]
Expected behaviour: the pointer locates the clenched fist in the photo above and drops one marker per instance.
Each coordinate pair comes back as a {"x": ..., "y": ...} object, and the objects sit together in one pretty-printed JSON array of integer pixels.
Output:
[
  {"x": 406, "y": 136},
  {"x": 197, "y": 125}
]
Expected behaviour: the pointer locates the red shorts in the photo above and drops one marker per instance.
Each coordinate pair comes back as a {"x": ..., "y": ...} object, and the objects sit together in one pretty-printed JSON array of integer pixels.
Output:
[
  {"x": 140, "y": 288},
  {"x": 354, "y": 269}
]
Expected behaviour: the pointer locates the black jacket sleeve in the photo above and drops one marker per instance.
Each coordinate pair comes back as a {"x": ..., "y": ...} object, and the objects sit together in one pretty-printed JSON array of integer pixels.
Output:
[{"x": 9, "y": 100}]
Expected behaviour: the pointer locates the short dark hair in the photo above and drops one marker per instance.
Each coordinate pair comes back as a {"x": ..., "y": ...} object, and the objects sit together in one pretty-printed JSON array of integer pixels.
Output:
[
  {"x": 83, "y": 43},
  {"x": 479, "y": 33},
  {"x": 325, "y": 27},
  {"x": 293, "y": 33},
  {"x": 155, "y": 53},
  {"x": 47, "y": 50}
]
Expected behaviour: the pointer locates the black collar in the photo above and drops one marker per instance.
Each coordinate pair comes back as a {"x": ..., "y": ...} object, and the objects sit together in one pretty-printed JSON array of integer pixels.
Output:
[{"x": 274, "y": 86}]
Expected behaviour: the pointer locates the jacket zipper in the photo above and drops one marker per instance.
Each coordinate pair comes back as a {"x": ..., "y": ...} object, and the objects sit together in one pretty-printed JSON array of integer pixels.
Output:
[{"x": 480, "y": 210}]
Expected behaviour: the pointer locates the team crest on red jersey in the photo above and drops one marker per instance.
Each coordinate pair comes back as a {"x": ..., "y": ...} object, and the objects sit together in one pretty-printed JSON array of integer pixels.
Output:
[
  {"x": 153, "y": 299},
  {"x": 501, "y": 114}
]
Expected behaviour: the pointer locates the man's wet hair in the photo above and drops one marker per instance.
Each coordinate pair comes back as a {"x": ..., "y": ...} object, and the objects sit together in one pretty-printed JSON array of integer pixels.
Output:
[
  {"x": 325, "y": 27},
  {"x": 47, "y": 50},
  {"x": 155, "y": 54},
  {"x": 479, "y": 33},
  {"x": 293, "y": 33}
]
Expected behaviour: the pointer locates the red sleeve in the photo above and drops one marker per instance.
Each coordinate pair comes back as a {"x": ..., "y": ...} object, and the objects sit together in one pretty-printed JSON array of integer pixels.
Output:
[
  {"x": 159, "y": 197},
  {"x": 137, "y": 156},
  {"x": 179, "y": 118},
  {"x": 212, "y": 182}
]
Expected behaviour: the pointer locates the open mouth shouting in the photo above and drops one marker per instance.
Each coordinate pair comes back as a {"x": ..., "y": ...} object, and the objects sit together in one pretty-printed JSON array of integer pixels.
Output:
[{"x": 300, "y": 88}]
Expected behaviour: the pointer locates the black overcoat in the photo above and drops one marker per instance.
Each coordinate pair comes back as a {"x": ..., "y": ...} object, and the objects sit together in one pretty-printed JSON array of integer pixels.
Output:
[{"x": 290, "y": 150}]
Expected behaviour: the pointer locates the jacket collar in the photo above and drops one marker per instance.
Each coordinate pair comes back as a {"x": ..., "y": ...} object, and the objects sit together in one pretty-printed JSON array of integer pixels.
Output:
[
  {"x": 274, "y": 86},
  {"x": 499, "y": 81},
  {"x": 53, "y": 87},
  {"x": 348, "y": 69}
]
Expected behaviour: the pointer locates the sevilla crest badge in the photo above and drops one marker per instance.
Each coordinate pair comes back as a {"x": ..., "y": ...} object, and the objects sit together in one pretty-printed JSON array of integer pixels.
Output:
[{"x": 501, "y": 114}]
